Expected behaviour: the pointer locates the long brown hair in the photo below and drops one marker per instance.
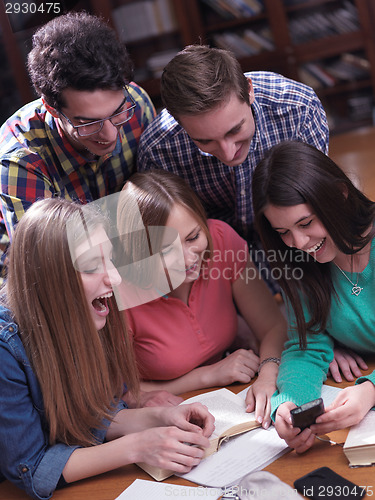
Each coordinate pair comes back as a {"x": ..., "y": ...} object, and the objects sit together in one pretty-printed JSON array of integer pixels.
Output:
[
  {"x": 151, "y": 196},
  {"x": 293, "y": 173},
  {"x": 81, "y": 371}
]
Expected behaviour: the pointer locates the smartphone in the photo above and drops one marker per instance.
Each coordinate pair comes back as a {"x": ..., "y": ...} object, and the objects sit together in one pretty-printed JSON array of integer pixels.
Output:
[
  {"x": 325, "y": 483},
  {"x": 305, "y": 415}
]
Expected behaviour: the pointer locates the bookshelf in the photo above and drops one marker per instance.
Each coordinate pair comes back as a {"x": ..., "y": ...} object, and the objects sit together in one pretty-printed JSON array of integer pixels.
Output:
[
  {"x": 328, "y": 44},
  {"x": 16, "y": 30},
  {"x": 332, "y": 37}
]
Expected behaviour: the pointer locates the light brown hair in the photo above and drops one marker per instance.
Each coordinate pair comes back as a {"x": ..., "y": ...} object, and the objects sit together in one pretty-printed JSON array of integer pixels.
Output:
[
  {"x": 154, "y": 193},
  {"x": 81, "y": 371},
  {"x": 200, "y": 78}
]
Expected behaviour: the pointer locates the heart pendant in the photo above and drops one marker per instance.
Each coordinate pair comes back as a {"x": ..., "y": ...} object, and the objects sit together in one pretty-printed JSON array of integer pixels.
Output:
[{"x": 356, "y": 290}]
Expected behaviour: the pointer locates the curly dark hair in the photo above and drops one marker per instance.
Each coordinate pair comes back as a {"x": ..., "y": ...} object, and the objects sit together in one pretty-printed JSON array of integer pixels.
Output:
[{"x": 79, "y": 51}]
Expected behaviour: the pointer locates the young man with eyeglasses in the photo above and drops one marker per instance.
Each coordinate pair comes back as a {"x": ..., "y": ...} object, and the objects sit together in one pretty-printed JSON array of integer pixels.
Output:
[{"x": 79, "y": 139}]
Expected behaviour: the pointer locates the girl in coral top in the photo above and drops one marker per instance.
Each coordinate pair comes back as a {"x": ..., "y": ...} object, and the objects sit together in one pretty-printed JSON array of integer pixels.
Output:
[{"x": 183, "y": 336}]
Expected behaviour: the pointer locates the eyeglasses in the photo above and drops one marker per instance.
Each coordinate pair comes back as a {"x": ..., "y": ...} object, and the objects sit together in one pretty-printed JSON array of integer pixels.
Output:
[{"x": 117, "y": 119}]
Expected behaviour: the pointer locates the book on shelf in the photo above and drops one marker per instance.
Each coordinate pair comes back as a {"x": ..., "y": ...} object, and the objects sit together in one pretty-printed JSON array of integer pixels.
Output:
[
  {"x": 255, "y": 6},
  {"x": 357, "y": 61},
  {"x": 308, "y": 78},
  {"x": 347, "y": 67},
  {"x": 360, "y": 106},
  {"x": 235, "y": 9},
  {"x": 246, "y": 43},
  {"x": 260, "y": 40},
  {"x": 223, "y": 8},
  {"x": 146, "y": 18},
  {"x": 359, "y": 446},
  {"x": 306, "y": 27},
  {"x": 157, "y": 61},
  {"x": 320, "y": 73},
  {"x": 231, "y": 420},
  {"x": 235, "y": 43}
]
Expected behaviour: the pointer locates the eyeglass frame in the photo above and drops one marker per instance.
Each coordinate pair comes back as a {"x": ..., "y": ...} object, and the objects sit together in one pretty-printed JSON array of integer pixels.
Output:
[{"x": 101, "y": 122}]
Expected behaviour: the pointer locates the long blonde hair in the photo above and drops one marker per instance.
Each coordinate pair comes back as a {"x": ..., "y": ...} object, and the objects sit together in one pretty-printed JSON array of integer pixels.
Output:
[{"x": 81, "y": 371}]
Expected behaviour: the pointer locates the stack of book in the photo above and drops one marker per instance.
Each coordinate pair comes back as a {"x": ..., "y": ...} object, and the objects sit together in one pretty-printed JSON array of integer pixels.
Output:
[
  {"x": 143, "y": 19},
  {"x": 307, "y": 26},
  {"x": 231, "y": 420},
  {"x": 359, "y": 446},
  {"x": 245, "y": 43},
  {"x": 157, "y": 62},
  {"x": 234, "y": 9},
  {"x": 346, "y": 68}
]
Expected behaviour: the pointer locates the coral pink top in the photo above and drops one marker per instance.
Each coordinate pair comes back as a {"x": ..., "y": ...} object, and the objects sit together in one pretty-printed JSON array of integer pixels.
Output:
[{"x": 172, "y": 338}]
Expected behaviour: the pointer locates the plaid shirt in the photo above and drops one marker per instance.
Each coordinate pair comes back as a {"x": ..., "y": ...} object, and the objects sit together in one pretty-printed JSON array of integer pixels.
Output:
[
  {"x": 37, "y": 161},
  {"x": 283, "y": 110}
]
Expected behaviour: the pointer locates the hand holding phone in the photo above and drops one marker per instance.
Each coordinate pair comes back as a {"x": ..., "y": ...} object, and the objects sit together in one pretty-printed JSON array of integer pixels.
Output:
[{"x": 305, "y": 415}]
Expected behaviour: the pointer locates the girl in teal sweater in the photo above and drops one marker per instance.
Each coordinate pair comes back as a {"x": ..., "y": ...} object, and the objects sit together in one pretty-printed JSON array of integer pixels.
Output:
[{"x": 318, "y": 229}]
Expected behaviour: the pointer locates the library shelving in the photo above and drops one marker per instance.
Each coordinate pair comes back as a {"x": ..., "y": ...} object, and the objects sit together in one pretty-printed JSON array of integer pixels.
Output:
[{"x": 328, "y": 44}]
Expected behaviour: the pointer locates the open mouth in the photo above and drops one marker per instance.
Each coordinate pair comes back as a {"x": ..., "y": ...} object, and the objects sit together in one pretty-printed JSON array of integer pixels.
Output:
[
  {"x": 316, "y": 247},
  {"x": 100, "y": 304}
]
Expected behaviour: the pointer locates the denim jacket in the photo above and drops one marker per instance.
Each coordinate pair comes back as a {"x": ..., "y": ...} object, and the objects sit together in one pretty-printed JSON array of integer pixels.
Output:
[{"x": 26, "y": 457}]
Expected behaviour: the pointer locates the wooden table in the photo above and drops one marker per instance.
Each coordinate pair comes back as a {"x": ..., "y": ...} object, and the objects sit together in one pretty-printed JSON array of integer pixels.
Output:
[{"x": 288, "y": 468}]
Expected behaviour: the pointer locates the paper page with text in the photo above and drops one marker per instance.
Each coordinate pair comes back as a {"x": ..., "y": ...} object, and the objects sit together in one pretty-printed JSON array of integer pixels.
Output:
[
  {"x": 241, "y": 454},
  {"x": 141, "y": 490},
  {"x": 227, "y": 408},
  {"x": 245, "y": 453},
  {"x": 362, "y": 434}
]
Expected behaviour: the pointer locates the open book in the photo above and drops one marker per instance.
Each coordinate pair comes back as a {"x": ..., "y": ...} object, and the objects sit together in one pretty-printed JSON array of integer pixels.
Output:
[
  {"x": 359, "y": 446},
  {"x": 231, "y": 420}
]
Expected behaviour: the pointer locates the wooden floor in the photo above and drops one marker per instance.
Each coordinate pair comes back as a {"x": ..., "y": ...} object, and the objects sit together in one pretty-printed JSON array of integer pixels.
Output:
[{"x": 354, "y": 152}]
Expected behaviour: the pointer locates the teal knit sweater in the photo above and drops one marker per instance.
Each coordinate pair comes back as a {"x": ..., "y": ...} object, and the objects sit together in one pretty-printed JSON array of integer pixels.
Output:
[{"x": 351, "y": 322}]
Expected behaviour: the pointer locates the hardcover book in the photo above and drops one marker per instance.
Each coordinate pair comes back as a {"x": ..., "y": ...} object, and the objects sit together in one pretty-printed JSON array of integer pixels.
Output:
[
  {"x": 359, "y": 446},
  {"x": 231, "y": 420}
]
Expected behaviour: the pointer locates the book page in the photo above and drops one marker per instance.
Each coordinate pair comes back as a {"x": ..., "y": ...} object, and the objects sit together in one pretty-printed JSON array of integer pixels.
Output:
[
  {"x": 141, "y": 489},
  {"x": 246, "y": 453},
  {"x": 362, "y": 434},
  {"x": 239, "y": 456},
  {"x": 329, "y": 394},
  {"x": 227, "y": 408}
]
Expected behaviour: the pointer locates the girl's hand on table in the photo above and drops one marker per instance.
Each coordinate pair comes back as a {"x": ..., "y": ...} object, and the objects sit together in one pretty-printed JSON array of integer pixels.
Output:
[
  {"x": 258, "y": 396},
  {"x": 348, "y": 362},
  {"x": 239, "y": 366}
]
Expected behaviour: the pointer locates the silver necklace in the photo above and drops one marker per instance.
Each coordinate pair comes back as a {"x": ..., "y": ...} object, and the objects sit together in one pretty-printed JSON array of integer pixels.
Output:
[{"x": 356, "y": 290}]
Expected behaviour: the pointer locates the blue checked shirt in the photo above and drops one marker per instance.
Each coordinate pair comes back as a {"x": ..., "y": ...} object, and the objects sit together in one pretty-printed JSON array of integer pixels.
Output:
[{"x": 283, "y": 110}]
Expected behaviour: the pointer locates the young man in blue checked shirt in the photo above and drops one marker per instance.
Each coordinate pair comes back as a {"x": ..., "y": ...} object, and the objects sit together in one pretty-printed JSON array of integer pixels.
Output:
[{"x": 217, "y": 125}]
